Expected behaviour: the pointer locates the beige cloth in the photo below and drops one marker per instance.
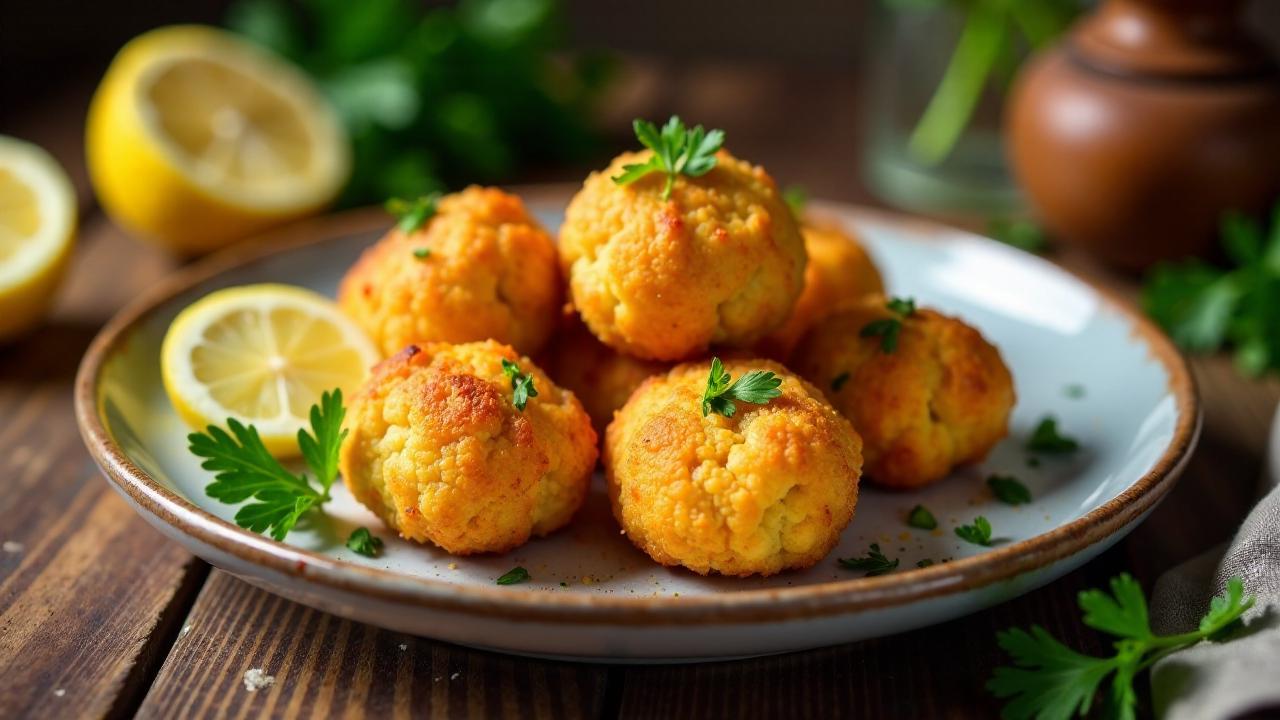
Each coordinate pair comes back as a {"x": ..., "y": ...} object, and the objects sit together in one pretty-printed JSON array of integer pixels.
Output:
[{"x": 1226, "y": 680}]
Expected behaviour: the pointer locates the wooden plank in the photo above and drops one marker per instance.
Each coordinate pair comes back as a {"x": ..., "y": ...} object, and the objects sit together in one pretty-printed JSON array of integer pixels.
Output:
[
  {"x": 325, "y": 667},
  {"x": 89, "y": 594}
]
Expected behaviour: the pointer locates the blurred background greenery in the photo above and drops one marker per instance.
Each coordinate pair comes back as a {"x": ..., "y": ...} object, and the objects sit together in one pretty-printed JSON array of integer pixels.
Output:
[{"x": 438, "y": 97}]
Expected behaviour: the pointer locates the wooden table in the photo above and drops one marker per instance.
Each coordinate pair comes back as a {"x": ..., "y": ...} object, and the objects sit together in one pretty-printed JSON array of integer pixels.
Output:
[{"x": 99, "y": 615}]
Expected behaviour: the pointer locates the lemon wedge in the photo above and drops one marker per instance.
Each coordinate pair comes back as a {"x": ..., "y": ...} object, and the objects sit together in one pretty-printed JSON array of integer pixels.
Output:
[
  {"x": 262, "y": 354},
  {"x": 37, "y": 230},
  {"x": 196, "y": 138}
]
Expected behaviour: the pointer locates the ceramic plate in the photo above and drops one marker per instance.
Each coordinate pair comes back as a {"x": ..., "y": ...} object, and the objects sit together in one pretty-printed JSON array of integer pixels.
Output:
[{"x": 1110, "y": 378}]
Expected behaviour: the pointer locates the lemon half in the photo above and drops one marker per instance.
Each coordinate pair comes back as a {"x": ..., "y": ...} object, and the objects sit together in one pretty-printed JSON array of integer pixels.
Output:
[
  {"x": 37, "y": 229},
  {"x": 262, "y": 354},
  {"x": 197, "y": 138}
]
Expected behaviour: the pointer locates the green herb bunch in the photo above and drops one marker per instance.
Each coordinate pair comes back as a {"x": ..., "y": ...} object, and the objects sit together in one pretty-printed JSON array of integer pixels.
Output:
[
  {"x": 1204, "y": 307},
  {"x": 993, "y": 36},
  {"x": 436, "y": 97}
]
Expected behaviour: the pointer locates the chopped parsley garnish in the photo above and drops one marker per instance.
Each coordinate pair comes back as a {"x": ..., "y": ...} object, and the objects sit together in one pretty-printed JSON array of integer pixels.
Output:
[
  {"x": 364, "y": 542},
  {"x": 1050, "y": 680},
  {"x": 920, "y": 517},
  {"x": 1008, "y": 490},
  {"x": 924, "y": 563},
  {"x": 1020, "y": 233},
  {"x": 838, "y": 381},
  {"x": 1075, "y": 391},
  {"x": 243, "y": 468},
  {"x": 521, "y": 384},
  {"x": 676, "y": 151},
  {"x": 875, "y": 563},
  {"x": 422, "y": 253},
  {"x": 979, "y": 533},
  {"x": 513, "y": 576},
  {"x": 1033, "y": 462},
  {"x": 888, "y": 329},
  {"x": 1047, "y": 439},
  {"x": 797, "y": 198},
  {"x": 756, "y": 387},
  {"x": 411, "y": 215}
]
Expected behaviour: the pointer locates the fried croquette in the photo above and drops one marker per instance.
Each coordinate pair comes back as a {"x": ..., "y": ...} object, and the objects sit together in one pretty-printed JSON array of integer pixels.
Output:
[
  {"x": 480, "y": 268},
  {"x": 766, "y": 490},
  {"x": 440, "y": 451},
  {"x": 722, "y": 261},
  {"x": 936, "y": 397},
  {"x": 601, "y": 377},
  {"x": 839, "y": 273}
]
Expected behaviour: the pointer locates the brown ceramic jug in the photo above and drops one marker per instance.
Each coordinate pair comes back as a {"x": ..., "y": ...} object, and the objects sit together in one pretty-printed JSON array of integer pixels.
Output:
[{"x": 1150, "y": 120}]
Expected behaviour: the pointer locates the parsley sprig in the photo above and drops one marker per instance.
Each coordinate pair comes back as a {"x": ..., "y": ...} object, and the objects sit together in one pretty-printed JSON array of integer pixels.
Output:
[
  {"x": 920, "y": 517},
  {"x": 514, "y": 576},
  {"x": 979, "y": 533},
  {"x": 1008, "y": 489},
  {"x": 1204, "y": 307},
  {"x": 521, "y": 384},
  {"x": 411, "y": 215},
  {"x": 875, "y": 562},
  {"x": 364, "y": 542},
  {"x": 888, "y": 329},
  {"x": 1046, "y": 438},
  {"x": 756, "y": 387},
  {"x": 1050, "y": 680},
  {"x": 677, "y": 150},
  {"x": 243, "y": 468}
]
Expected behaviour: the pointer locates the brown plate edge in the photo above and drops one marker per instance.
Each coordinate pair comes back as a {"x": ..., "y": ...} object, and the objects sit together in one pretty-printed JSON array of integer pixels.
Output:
[{"x": 747, "y": 606}]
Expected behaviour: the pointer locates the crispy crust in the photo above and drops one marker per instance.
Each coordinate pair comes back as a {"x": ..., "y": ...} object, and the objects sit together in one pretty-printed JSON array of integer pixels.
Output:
[
  {"x": 941, "y": 399},
  {"x": 721, "y": 262},
  {"x": 437, "y": 450},
  {"x": 767, "y": 490},
  {"x": 492, "y": 272},
  {"x": 839, "y": 273}
]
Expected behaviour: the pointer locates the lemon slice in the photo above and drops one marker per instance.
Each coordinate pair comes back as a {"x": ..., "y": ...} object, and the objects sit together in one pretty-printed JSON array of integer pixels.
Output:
[
  {"x": 37, "y": 228},
  {"x": 197, "y": 138},
  {"x": 262, "y": 354}
]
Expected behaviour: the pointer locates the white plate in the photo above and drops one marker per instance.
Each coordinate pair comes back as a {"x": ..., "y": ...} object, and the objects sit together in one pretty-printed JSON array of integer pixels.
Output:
[{"x": 592, "y": 595}]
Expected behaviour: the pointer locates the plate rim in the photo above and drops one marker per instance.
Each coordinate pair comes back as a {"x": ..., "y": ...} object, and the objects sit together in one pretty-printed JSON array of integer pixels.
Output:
[{"x": 1003, "y": 563}]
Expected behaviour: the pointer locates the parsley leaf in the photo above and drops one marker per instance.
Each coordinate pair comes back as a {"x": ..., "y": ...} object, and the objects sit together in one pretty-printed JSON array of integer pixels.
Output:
[
  {"x": 888, "y": 329},
  {"x": 676, "y": 151},
  {"x": 797, "y": 198},
  {"x": 920, "y": 517},
  {"x": 1047, "y": 439},
  {"x": 924, "y": 563},
  {"x": 1050, "y": 680},
  {"x": 514, "y": 576},
  {"x": 979, "y": 533},
  {"x": 1008, "y": 490},
  {"x": 838, "y": 381},
  {"x": 1123, "y": 613},
  {"x": 411, "y": 215},
  {"x": 756, "y": 387},
  {"x": 875, "y": 563},
  {"x": 1075, "y": 391},
  {"x": 243, "y": 469},
  {"x": 521, "y": 384},
  {"x": 422, "y": 253},
  {"x": 1204, "y": 307},
  {"x": 1020, "y": 233},
  {"x": 364, "y": 542}
]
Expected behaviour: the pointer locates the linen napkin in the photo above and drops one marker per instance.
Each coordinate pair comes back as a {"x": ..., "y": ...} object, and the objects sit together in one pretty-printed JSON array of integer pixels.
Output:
[{"x": 1212, "y": 680}]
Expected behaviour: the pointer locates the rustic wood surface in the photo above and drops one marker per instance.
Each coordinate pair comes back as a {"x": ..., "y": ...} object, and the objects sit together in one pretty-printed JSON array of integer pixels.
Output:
[{"x": 99, "y": 616}]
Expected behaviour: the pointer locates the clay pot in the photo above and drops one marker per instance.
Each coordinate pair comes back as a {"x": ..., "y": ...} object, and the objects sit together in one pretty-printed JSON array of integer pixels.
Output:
[{"x": 1150, "y": 120}]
